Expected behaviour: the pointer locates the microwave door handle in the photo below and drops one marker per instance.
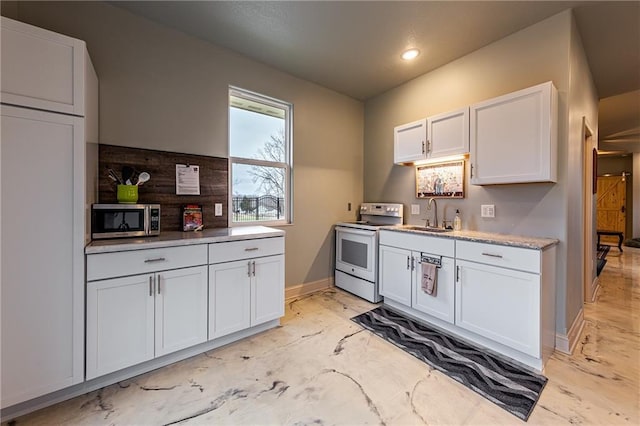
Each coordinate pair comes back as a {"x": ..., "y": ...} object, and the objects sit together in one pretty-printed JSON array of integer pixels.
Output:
[{"x": 147, "y": 219}]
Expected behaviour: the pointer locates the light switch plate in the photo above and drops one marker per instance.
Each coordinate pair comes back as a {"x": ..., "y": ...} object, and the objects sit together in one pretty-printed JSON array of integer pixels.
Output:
[
  {"x": 415, "y": 208},
  {"x": 488, "y": 210},
  {"x": 218, "y": 209}
]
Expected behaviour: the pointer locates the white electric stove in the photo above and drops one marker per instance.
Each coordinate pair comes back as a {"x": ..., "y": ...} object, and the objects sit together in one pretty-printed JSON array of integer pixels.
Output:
[{"x": 357, "y": 249}]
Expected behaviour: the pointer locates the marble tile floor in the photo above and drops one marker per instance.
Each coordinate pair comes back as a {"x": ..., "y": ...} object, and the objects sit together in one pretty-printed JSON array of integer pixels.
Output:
[{"x": 320, "y": 368}]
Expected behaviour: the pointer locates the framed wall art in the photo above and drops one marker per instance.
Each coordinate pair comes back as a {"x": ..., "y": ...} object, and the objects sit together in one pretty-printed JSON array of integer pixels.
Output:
[{"x": 441, "y": 180}]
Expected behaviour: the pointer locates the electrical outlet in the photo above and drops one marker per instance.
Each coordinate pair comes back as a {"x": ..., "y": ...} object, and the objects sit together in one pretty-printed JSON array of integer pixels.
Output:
[
  {"x": 218, "y": 209},
  {"x": 415, "y": 208},
  {"x": 488, "y": 210}
]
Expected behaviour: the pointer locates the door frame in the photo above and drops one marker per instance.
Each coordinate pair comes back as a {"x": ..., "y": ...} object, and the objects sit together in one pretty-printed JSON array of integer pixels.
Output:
[{"x": 590, "y": 278}]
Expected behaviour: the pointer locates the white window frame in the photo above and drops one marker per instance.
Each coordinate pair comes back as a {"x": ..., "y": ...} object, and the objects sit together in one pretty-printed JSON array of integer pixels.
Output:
[{"x": 287, "y": 164}]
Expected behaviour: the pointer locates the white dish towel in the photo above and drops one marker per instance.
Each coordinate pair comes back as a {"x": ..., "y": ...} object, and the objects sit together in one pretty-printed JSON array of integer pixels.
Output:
[{"x": 429, "y": 277}]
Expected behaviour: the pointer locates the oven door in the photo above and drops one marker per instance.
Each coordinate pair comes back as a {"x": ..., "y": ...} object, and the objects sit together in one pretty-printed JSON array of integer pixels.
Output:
[{"x": 356, "y": 252}]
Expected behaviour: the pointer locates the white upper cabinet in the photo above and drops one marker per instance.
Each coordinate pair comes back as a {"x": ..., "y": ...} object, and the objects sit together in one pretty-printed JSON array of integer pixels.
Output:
[
  {"x": 410, "y": 142},
  {"x": 437, "y": 136},
  {"x": 448, "y": 133},
  {"x": 514, "y": 137},
  {"x": 45, "y": 70}
]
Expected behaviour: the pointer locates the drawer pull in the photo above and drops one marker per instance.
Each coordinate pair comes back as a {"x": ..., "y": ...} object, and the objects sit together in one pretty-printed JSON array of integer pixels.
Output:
[
  {"x": 157, "y": 259},
  {"x": 251, "y": 249},
  {"x": 499, "y": 256}
]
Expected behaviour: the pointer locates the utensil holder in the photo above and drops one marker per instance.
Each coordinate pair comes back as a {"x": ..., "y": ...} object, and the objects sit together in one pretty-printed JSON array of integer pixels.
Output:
[{"x": 127, "y": 194}]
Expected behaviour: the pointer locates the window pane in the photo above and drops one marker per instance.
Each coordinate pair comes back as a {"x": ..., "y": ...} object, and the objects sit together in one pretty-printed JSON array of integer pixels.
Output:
[
  {"x": 257, "y": 135},
  {"x": 258, "y": 192}
]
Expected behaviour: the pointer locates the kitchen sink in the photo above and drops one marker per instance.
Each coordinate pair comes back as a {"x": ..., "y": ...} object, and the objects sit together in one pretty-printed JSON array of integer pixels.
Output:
[{"x": 427, "y": 229}]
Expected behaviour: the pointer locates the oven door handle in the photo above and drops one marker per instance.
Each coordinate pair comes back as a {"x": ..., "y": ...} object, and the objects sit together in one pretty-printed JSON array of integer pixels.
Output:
[{"x": 355, "y": 231}]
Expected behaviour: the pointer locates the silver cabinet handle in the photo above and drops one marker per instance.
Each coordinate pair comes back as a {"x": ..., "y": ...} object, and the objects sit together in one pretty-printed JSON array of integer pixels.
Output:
[
  {"x": 428, "y": 146},
  {"x": 158, "y": 283},
  {"x": 413, "y": 263},
  {"x": 423, "y": 149},
  {"x": 457, "y": 274},
  {"x": 407, "y": 262},
  {"x": 254, "y": 268},
  {"x": 157, "y": 259},
  {"x": 249, "y": 268},
  {"x": 150, "y": 286},
  {"x": 251, "y": 249},
  {"x": 499, "y": 256}
]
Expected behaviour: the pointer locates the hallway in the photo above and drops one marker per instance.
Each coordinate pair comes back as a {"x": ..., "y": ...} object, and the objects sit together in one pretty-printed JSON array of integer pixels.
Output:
[{"x": 603, "y": 374}]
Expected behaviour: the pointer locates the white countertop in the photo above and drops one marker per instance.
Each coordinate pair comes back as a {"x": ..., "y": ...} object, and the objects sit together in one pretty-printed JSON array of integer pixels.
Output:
[
  {"x": 176, "y": 238},
  {"x": 536, "y": 243}
]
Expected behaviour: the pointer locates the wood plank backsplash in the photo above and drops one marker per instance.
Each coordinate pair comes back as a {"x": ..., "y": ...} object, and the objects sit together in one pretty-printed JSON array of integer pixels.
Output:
[{"x": 161, "y": 188}]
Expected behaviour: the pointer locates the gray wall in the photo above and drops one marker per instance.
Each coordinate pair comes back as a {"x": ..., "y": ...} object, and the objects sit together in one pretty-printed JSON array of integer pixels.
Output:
[
  {"x": 582, "y": 105},
  {"x": 161, "y": 89},
  {"x": 534, "y": 55}
]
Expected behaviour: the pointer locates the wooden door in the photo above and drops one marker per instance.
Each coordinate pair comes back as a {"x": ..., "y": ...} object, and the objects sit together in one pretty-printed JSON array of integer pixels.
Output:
[{"x": 611, "y": 206}]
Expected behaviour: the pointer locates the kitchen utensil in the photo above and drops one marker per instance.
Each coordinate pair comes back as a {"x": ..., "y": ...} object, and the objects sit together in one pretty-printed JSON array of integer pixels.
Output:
[
  {"x": 127, "y": 174},
  {"x": 114, "y": 177},
  {"x": 142, "y": 178}
]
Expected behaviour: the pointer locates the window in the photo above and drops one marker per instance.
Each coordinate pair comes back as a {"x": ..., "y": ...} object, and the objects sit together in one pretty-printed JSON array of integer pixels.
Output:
[{"x": 260, "y": 151}]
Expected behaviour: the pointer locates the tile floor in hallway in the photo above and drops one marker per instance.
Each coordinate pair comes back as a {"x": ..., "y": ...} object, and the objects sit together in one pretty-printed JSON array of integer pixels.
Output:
[{"x": 321, "y": 368}]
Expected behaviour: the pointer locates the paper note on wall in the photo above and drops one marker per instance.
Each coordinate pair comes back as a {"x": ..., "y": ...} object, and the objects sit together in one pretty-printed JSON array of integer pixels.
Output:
[{"x": 187, "y": 179}]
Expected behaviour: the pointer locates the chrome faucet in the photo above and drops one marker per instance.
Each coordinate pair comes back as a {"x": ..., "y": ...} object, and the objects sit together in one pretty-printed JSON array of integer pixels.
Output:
[{"x": 435, "y": 212}]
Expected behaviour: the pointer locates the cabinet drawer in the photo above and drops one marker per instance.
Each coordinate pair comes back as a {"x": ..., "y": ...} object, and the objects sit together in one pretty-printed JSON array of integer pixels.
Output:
[
  {"x": 501, "y": 256},
  {"x": 245, "y": 249},
  {"x": 418, "y": 243},
  {"x": 107, "y": 265}
]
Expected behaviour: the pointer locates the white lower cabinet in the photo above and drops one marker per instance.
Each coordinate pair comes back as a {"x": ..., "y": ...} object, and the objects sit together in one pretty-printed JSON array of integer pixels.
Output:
[
  {"x": 135, "y": 318},
  {"x": 500, "y": 304},
  {"x": 501, "y": 297},
  {"x": 245, "y": 293},
  {"x": 400, "y": 274},
  {"x": 120, "y": 323},
  {"x": 395, "y": 275}
]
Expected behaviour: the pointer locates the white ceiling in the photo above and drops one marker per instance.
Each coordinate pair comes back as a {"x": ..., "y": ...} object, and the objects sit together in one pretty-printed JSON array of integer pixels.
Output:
[{"x": 354, "y": 47}]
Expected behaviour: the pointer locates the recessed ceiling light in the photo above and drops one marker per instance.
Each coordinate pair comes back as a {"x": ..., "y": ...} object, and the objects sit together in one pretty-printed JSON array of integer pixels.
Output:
[{"x": 410, "y": 54}]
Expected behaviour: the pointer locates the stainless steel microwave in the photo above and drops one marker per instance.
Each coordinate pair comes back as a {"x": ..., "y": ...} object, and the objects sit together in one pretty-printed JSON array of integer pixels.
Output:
[{"x": 124, "y": 220}]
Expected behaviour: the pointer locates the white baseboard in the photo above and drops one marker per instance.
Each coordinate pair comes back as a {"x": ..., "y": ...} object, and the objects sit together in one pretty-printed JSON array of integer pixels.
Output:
[
  {"x": 295, "y": 291},
  {"x": 566, "y": 343}
]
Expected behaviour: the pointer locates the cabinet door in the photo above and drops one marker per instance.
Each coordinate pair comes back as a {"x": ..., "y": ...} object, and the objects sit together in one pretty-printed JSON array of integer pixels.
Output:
[
  {"x": 42, "y": 303},
  {"x": 395, "y": 274},
  {"x": 448, "y": 133},
  {"x": 42, "y": 69},
  {"x": 267, "y": 289},
  {"x": 500, "y": 304},
  {"x": 441, "y": 304},
  {"x": 229, "y": 297},
  {"x": 120, "y": 323},
  {"x": 514, "y": 137},
  {"x": 409, "y": 141},
  {"x": 181, "y": 309}
]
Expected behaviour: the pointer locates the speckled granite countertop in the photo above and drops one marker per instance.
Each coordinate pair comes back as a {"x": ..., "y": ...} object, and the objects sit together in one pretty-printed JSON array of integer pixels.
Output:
[
  {"x": 173, "y": 239},
  {"x": 536, "y": 243}
]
